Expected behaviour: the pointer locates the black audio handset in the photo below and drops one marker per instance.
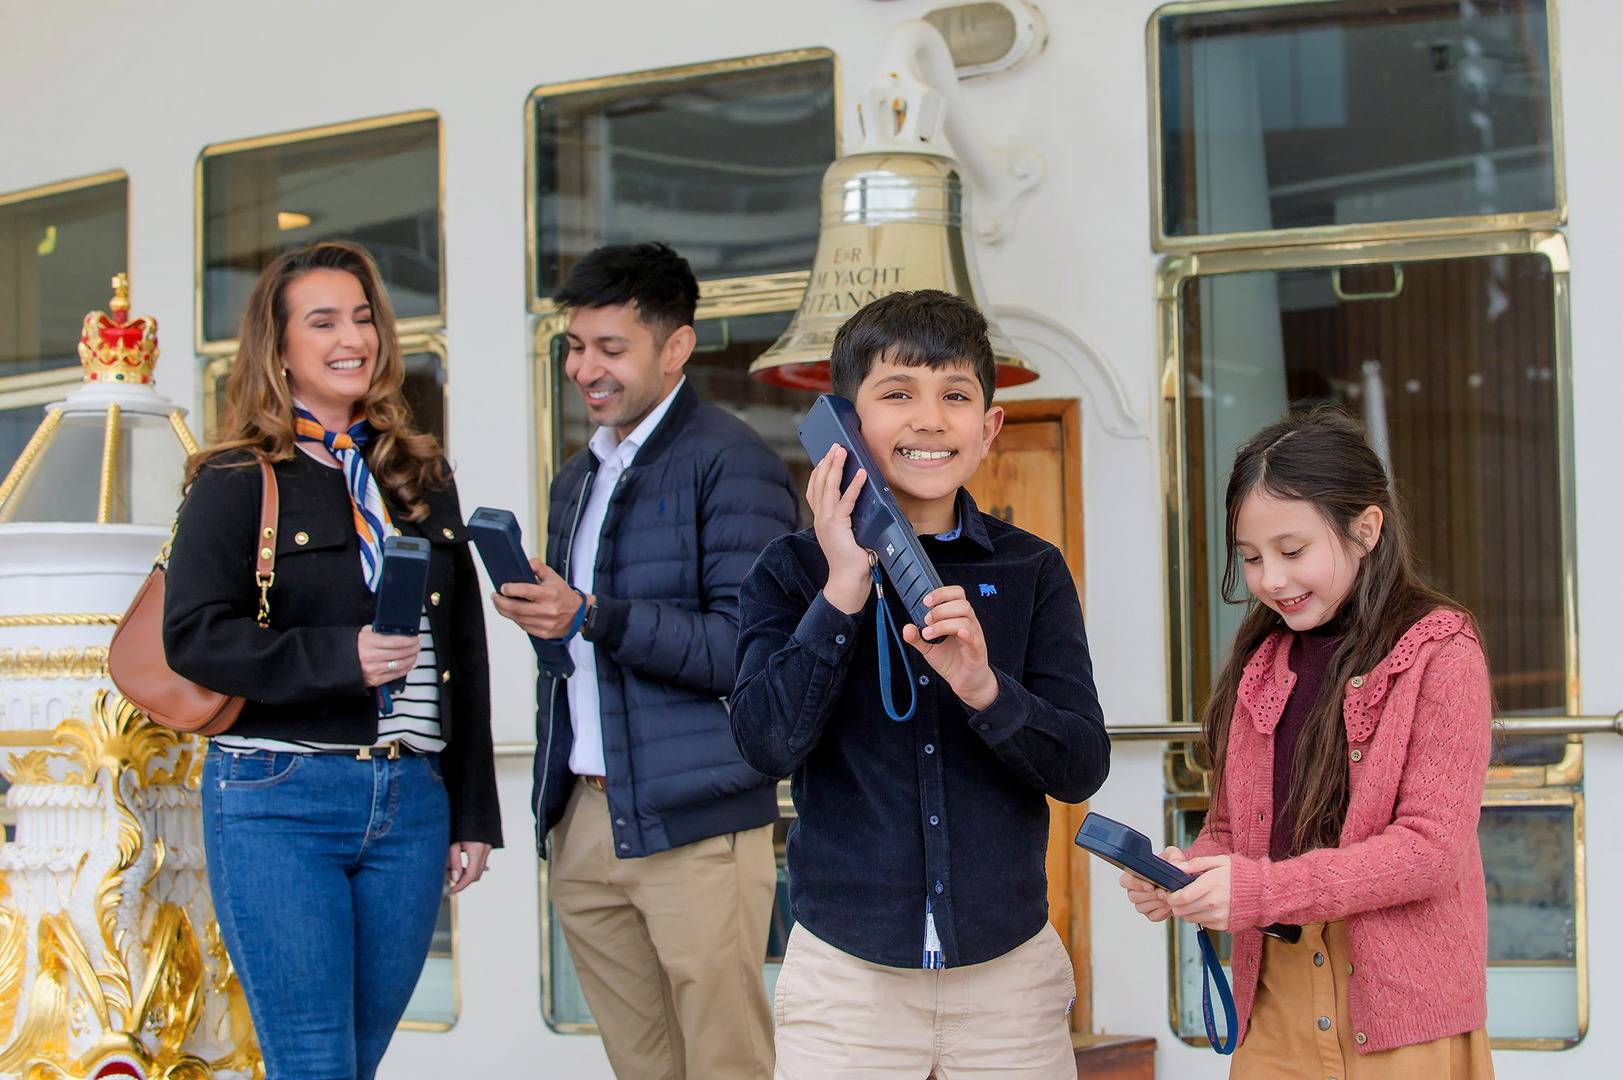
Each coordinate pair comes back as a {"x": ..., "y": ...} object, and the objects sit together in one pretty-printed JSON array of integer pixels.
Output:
[
  {"x": 501, "y": 548},
  {"x": 877, "y": 520},
  {"x": 401, "y": 587}
]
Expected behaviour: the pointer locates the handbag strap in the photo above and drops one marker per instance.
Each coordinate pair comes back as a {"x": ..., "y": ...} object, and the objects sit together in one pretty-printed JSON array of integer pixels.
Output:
[{"x": 270, "y": 507}]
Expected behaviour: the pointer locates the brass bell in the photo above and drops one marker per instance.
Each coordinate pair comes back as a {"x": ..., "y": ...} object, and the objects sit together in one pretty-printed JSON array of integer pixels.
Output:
[{"x": 890, "y": 221}]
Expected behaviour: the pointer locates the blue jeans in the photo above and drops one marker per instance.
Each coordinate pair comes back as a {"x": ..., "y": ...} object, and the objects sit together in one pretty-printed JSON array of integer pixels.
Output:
[{"x": 326, "y": 874}]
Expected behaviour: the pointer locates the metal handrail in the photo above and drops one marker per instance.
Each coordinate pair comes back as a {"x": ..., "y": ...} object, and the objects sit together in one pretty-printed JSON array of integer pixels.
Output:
[{"x": 1518, "y": 726}]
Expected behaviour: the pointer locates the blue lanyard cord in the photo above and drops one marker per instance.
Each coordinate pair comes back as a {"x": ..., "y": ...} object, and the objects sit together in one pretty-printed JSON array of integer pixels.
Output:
[
  {"x": 1212, "y": 971},
  {"x": 886, "y": 632}
]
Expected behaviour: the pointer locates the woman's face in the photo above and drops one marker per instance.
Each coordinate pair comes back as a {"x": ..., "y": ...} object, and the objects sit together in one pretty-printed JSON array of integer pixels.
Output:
[{"x": 330, "y": 344}]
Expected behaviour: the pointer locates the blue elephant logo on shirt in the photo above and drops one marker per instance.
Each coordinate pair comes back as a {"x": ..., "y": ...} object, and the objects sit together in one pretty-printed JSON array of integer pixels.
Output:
[{"x": 988, "y": 590}]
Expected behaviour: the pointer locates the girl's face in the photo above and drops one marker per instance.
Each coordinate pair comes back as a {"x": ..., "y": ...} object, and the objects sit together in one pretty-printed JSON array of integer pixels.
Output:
[{"x": 1294, "y": 562}]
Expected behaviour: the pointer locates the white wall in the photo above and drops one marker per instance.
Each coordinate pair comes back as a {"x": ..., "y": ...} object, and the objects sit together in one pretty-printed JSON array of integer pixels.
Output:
[{"x": 88, "y": 86}]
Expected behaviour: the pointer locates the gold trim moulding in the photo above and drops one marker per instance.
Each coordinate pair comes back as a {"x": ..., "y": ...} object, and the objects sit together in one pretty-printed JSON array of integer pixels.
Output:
[
  {"x": 109, "y": 467},
  {"x": 69, "y": 663},
  {"x": 63, "y": 187},
  {"x": 12, "y": 485},
  {"x": 93, "y": 618}
]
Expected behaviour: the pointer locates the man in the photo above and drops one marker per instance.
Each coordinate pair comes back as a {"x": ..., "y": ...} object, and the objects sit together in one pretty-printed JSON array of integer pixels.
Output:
[{"x": 661, "y": 851}]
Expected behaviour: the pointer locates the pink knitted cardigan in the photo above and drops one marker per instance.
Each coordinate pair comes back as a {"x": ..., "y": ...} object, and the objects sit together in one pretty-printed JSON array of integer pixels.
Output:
[{"x": 1407, "y": 875}]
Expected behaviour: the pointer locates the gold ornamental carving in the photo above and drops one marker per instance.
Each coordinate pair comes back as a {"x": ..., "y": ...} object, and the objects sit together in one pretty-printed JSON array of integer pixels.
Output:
[
  {"x": 36, "y": 663},
  {"x": 136, "y": 970}
]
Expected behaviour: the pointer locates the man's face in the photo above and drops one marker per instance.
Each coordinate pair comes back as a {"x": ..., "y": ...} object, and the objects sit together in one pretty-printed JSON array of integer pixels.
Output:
[
  {"x": 927, "y": 428},
  {"x": 620, "y": 366}
]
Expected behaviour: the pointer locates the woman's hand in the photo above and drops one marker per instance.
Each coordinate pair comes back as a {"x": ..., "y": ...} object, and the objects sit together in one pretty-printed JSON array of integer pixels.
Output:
[
  {"x": 386, "y": 657},
  {"x": 1206, "y": 902},
  {"x": 465, "y": 864},
  {"x": 1149, "y": 898}
]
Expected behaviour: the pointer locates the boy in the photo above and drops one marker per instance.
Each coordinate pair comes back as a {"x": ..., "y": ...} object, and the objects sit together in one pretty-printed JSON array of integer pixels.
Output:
[{"x": 916, "y": 865}]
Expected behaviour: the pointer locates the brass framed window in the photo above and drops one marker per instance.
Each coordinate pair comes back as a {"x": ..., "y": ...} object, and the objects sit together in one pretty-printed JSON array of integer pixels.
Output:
[
  {"x": 1273, "y": 120},
  {"x": 60, "y": 245},
  {"x": 722, "y": 160},
  {"x": 379, "y": 182},
  {"x": 1455, "y": 352}
]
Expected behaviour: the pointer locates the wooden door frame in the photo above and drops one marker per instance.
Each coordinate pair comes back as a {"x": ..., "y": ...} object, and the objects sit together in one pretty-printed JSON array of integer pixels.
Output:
[{"x": 1069, "y": 907}]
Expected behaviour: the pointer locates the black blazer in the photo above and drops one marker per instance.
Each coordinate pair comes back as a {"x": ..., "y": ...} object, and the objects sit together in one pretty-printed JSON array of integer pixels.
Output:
[{"x": 302, "y": 676}]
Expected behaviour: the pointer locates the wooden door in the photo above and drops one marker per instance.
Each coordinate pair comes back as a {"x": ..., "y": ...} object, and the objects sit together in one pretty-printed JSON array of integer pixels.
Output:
[{"x": 1033, "y": 479}]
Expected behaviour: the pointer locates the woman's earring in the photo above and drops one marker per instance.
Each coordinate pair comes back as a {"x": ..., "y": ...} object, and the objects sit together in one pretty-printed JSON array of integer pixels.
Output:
[{"x": 284, "y": 373}]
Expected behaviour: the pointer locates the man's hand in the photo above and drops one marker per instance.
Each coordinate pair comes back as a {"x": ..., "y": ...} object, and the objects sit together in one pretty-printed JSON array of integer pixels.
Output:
[
  {"x": 954, "y": 645},
  {"x": 848, "y": 576},
  {"x": 544, "y": 610}
]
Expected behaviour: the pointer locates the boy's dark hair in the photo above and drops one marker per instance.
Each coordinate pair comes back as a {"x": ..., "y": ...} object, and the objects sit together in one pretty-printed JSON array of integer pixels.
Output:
[
  {"x": 653, "y": 276},
  {"x": 924, "y": 328}
]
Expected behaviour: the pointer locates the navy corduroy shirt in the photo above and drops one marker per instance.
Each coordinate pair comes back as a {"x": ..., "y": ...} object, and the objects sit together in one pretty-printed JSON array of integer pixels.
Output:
[{"x": 949, "y": 807}]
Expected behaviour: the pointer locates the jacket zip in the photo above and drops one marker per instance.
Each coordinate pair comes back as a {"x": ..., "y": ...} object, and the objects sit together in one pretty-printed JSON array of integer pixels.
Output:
[{"x": 542, "y": 839}]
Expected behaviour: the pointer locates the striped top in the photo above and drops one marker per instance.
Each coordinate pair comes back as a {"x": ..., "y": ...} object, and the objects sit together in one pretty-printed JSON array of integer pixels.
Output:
[{"x": 414, "y": 720}]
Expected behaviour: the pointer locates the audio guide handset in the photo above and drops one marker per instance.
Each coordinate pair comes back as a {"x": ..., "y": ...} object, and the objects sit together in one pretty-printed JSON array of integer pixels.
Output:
[{"x": 501, "y": 548}]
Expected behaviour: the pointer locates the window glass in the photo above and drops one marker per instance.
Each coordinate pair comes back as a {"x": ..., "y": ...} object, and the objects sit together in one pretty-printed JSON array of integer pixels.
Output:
[
  {"x": 725, "y": 166},
  {"x": 1451, "y": 366},
  {"x": 58, "y": 255},
  {"x": 1281, "y": 116},
  {"x": 434, "y": 1001},
  {"x": 379, "y": 187}
]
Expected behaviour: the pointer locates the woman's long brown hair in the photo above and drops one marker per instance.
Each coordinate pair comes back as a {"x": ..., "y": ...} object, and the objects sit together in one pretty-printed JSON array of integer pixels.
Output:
[
  {"x": 1321, "y": 458},
  {"x": 259, "y": 405}
]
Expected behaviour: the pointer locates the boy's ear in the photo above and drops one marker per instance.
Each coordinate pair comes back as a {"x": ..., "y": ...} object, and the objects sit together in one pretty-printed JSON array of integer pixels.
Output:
[{"x": 991, "y": 424}]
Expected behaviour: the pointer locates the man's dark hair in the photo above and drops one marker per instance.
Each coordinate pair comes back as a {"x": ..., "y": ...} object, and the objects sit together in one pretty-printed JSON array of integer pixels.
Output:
[
  {"x": 653, "y": 276},
  {"x": 925, "y": 328}
]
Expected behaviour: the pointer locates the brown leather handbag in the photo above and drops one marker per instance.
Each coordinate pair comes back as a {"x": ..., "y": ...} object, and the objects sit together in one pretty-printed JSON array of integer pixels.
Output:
[{"x": 136, "y": 660}]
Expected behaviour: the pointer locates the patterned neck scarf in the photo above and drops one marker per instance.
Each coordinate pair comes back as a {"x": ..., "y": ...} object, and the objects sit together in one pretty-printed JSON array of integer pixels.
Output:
[{"x": 371, "y": 516}]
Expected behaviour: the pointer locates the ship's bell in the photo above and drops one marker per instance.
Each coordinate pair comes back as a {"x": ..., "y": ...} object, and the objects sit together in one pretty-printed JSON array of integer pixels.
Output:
[{"x": 890, "y": 221}]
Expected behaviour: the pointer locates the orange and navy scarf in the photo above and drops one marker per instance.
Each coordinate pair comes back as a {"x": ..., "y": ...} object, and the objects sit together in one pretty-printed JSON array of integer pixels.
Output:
[{"x": 371, "y": 516}]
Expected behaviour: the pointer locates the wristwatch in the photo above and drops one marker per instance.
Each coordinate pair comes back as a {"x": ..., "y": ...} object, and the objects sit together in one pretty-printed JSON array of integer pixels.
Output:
[{"x": 588, "y": 626}]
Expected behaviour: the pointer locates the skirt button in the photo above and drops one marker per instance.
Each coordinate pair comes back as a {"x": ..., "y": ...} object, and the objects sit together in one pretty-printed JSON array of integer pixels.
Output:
[{"x": 1324, "y": 1023}]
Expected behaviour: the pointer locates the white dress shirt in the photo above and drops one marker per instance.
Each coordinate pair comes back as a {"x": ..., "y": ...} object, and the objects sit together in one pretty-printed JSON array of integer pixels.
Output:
[{"x": 586, "y": 755}]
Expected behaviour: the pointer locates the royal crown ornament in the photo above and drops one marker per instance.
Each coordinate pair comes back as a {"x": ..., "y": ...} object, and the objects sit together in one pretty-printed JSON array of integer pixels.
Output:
[{"x": 116, "y": 348}]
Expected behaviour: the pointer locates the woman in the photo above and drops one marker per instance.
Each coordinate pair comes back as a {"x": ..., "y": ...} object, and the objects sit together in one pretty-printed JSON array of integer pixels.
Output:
[{"x": 333, "y": 810}]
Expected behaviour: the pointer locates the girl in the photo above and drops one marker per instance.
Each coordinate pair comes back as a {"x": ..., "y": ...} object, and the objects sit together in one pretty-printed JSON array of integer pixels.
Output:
[
  {"x": 1350, "y": 732},
  {"x": 333, "y": 814}
]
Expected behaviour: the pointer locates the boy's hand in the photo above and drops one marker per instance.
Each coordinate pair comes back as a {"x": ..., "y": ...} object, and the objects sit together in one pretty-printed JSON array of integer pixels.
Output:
[
  {"x": 545, "y": 610},
  {"x": 848, "y": 576},
  {"x": 953, "y": 644}
]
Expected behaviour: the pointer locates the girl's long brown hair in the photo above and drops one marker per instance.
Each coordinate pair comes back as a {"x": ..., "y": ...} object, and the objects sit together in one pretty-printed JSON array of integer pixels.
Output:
[
  {"x": 1321, "y": 458},
  {"x": 259, "y": 405}
]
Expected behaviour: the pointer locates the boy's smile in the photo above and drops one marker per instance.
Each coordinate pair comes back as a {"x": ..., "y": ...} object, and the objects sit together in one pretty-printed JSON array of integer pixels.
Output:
[{"x": 928, "y": 429}]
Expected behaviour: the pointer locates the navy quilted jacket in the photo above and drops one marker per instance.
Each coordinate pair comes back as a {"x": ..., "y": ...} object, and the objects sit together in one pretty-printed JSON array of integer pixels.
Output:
[{"x": 689, "y": 515}]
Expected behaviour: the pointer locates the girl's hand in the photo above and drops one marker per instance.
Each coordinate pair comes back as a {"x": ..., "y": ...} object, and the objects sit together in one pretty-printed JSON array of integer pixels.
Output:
[
  {"x": 465, "y": 864},
  {"x": 1206, "y": 902},
  {"x": 1149, "y": 898},
  {"x": 386, "y": 657},
  {"x": 848, "y": 576},
  {"x": 955, "y": 646}
]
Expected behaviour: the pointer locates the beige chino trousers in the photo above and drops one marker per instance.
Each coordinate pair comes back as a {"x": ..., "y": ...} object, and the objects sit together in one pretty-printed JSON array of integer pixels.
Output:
[
  {"x": 669, "y": 947},
  {"x": 841, "y": 1017}
]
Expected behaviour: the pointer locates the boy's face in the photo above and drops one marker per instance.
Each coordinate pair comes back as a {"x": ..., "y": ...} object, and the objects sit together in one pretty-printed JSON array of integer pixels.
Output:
[{"x": 928, "y": 428}]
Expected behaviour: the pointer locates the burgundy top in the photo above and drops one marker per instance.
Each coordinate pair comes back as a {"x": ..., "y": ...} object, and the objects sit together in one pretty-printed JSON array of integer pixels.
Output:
[{"x": 1310, "y": 654}]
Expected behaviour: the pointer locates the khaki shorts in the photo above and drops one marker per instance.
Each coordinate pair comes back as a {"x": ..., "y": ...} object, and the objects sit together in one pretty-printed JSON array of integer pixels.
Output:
[{"x": 838, "y": 1016}]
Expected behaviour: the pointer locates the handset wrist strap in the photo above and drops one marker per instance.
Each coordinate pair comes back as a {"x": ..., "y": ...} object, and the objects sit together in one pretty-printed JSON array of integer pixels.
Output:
[
  {"x": 1212, "y": 972},
  {"x": 885, "y": 633}
]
